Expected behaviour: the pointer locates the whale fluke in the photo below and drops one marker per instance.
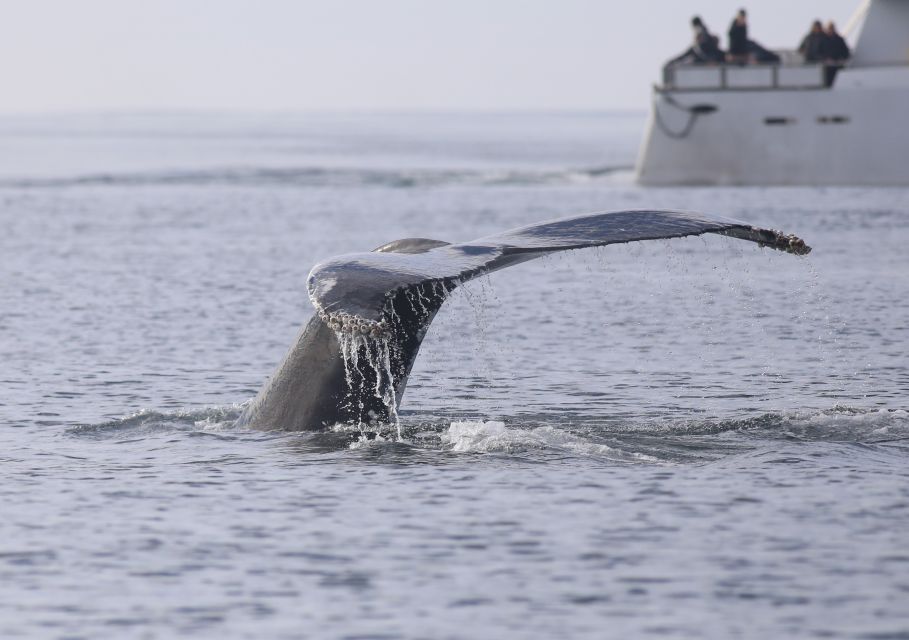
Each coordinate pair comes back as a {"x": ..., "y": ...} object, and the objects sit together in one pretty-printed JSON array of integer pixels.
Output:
[{"x": 351, "y": 361}]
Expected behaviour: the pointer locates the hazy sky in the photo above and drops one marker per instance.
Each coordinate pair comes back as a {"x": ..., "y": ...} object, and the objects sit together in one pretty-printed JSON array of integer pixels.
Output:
[{"x": 360, "y": 54}]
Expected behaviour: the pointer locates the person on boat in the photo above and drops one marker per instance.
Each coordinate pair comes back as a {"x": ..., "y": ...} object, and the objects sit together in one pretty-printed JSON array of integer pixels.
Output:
[
  {"x": 738, "y": 39},
  {"x": 837, "y": 49},
  {"x": 814, "y": 45},
  {"x": 742, "y": 50},
  {"x": 706, "y": 45},
  {"x": 704, "y": 50},
  {"x": 836, "y": 53}
]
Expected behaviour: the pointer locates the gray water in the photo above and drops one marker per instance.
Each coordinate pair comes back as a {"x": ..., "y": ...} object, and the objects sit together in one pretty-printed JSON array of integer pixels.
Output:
[{"x": 678, "y": 439}]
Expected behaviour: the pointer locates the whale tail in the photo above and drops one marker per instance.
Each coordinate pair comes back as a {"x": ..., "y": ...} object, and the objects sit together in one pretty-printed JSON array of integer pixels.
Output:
[
  {"x": 346, "y": 369},
  {"x": 352, "y": 361}
]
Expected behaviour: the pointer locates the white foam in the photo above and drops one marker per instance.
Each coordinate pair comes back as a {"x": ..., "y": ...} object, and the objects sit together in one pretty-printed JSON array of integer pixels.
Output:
[
  {"x": 219, "y": 419},
  {"x": 493, "y": 437},
  {"x": 363, "y": 442},
  {"x": 469, "y": 436},
  {"x": 856, "y": 422}
]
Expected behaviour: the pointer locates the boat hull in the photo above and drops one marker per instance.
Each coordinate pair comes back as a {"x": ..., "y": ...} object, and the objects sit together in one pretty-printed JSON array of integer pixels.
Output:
[{"x": 855, "y": 133}]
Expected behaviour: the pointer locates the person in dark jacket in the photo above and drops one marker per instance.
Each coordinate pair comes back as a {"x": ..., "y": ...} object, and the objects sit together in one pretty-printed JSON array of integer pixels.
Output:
[
  {"x": 706, "y": 45},
  {"x": 704, "y": 50},
  {"x": 814, "y": 45},
  {"x": 738, "y": 38},
  {"x": 836, "y": 52},
  {"x": 837, "y": 49}
]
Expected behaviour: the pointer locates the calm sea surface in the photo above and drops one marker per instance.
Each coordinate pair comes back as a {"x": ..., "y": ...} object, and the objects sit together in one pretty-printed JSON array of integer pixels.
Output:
[{"x": 694, "y": 438}]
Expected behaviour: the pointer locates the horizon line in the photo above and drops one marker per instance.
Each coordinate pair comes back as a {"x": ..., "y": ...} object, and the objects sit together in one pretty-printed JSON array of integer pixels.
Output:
[{"x": 352, "y": 111}]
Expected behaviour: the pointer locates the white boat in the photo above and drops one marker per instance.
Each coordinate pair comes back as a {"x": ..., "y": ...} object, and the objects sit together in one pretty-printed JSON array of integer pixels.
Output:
[{"x": 780, "y": 124}]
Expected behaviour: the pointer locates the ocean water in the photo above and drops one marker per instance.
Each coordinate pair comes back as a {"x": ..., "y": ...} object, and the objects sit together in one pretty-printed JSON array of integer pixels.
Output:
[{"x": 693, "y": 438}]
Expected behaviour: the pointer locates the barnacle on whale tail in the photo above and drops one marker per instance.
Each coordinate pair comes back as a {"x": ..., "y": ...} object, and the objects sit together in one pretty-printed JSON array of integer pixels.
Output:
[{"x": 347, "y": 323}]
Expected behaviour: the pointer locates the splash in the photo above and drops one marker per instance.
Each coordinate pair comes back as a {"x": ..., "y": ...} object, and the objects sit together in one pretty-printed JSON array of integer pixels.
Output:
[{"x": 493, "y": 437}]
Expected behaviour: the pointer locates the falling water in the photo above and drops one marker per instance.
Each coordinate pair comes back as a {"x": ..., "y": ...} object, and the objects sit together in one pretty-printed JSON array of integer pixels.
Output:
[
  {"x": 363, "y": 353},
  {"x": 369, "y": 347}
]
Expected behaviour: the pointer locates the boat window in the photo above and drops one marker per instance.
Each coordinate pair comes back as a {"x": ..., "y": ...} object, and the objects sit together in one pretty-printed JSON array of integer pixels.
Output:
[{"x": 833, "y": 119}]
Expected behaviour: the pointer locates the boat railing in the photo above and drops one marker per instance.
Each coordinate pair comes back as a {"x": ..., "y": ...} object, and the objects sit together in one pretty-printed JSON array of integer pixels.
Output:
[{"x": 790, "y": 73}]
